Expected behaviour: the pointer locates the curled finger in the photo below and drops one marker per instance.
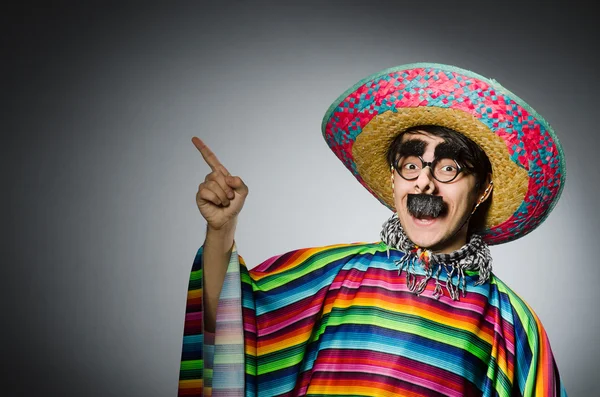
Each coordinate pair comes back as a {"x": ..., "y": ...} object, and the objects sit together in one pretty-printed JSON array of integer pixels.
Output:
[
  {"x": 208, "y": 196},
  {"x": 215, "y": 187},
  {"x": 220, "y": 178}
]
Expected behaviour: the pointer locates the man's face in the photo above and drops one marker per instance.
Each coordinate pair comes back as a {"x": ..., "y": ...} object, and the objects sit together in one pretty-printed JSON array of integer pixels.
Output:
[{"x": 448, "y": 231}]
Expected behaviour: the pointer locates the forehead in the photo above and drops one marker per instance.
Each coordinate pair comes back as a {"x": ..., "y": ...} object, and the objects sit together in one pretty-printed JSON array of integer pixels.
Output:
[{"x": 427, "y": 138}]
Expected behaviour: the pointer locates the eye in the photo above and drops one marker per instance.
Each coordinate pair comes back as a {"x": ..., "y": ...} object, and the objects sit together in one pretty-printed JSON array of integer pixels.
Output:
[
  {"x": 446, "y": 170},
  {"x": 409, "y": 167}
]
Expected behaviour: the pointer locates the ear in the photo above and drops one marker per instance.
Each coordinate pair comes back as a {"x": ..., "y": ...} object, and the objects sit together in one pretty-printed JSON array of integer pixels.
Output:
[
  {"x": 393, "y": 187},
  {"x": 484, "y": 193}
]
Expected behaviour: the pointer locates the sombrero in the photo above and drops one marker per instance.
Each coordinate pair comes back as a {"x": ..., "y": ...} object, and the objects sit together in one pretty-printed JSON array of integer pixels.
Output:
[{"x": 528, "y": 163}]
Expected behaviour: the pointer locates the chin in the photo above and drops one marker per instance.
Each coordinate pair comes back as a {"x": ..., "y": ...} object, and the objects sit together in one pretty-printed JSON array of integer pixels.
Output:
[
  {"x": 436, "y": 240},
  {"x": 433, "y": 237},
  {"x": 424, "y": 234},
  {"x": 428, "y": 242}
]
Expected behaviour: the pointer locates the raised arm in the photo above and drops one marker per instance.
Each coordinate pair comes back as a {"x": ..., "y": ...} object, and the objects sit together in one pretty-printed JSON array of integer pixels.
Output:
[{"x": 220, "y": 199}]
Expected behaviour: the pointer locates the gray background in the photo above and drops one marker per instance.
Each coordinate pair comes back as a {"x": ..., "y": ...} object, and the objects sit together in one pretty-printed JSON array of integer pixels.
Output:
[{"x": 99, "y": 103}]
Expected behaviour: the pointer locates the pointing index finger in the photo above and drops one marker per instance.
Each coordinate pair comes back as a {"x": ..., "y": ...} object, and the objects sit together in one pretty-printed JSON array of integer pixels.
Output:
[{"x": 208, "y": 156}]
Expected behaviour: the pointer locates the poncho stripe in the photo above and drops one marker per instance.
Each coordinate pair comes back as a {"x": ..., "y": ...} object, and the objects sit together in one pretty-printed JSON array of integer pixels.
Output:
[{"x": 340, "y": 320}]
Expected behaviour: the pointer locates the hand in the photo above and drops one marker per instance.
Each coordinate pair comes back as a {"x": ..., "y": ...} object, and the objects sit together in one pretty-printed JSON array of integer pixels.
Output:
[{"x": 221, "y": 196}]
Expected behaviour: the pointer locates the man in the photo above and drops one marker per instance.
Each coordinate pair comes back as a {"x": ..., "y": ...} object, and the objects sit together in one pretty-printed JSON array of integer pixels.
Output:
[{"x": 462, "y": 163}]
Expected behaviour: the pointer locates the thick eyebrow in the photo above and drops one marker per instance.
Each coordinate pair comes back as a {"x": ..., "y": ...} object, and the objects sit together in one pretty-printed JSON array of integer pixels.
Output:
[
  {"x": 446, "y": 150},
  {"x": 412, "y": 147}
]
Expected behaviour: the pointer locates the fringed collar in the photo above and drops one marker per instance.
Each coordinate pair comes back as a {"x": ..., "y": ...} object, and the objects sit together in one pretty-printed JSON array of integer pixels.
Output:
[{"x": 473, "y": 256}]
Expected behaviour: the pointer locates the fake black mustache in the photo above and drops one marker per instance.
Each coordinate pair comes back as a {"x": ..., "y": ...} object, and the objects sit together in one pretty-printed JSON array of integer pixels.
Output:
[{"x": 421, "y": 205}]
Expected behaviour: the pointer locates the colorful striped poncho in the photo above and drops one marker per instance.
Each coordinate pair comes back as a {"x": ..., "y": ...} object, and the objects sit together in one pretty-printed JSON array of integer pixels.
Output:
[{"x": 340, "y": 321}]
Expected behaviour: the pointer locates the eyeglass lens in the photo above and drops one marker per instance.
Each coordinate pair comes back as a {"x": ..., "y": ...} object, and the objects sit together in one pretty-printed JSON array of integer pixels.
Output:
[{"x": 443, "y": 169}]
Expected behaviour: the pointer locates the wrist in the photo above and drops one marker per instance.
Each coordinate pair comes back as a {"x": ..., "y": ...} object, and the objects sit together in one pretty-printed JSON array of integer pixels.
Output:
[
  {"x": 226, "y": 229},
  {"x": 222, "y": 237}
]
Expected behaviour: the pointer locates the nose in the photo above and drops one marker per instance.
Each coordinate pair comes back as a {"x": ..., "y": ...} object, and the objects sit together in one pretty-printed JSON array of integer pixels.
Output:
[{"x": 425, "y": 182}]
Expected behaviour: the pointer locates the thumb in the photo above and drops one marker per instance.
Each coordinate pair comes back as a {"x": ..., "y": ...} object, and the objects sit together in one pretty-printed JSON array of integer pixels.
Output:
[{"x": 237, "y": 184}]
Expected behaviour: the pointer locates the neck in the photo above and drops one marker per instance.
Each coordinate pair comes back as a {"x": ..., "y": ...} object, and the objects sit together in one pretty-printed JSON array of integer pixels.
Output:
[{"x": 474, "y": 255}]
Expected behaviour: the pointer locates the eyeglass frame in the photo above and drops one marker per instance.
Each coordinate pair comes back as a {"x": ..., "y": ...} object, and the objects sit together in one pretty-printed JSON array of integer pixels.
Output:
[{"x": 430, "y": 165}]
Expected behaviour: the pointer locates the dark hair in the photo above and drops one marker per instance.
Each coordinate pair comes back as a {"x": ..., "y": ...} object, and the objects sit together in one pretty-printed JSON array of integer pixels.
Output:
[{"x": 469, "y": 156}]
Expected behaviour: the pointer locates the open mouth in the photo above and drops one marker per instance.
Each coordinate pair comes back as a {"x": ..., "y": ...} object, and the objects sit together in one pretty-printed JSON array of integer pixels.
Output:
[{"x": 424, "y": 220}]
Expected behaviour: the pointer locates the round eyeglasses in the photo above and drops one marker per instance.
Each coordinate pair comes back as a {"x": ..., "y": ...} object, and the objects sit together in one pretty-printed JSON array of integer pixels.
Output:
[{"x": 443, "y": 170}]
